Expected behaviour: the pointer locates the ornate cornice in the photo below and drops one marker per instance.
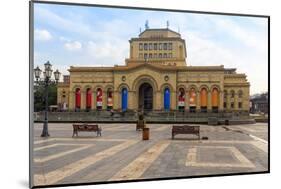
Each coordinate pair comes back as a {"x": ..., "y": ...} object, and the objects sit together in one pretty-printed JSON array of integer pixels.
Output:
[{"x": 149, "y": 65}]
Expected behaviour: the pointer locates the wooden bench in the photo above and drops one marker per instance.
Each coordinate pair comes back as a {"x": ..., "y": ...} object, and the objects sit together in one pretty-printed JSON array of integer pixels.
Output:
[
  {"x": 86, "y": 128},
  {"x": 185, "y": 129}
]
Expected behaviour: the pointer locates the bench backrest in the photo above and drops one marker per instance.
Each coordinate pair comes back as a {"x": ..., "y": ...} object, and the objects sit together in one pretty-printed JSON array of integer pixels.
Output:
[
  {"x": 186, "y": 128},
  {"x": 85, "y": 127}
]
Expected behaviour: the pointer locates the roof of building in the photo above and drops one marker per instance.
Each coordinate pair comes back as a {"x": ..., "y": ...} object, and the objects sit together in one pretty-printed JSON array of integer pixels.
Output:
[{"x": 159, "y": 30}]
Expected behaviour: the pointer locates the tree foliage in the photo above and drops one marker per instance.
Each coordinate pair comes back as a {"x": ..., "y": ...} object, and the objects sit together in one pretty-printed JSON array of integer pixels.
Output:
[{"x": 39, "y": 96}]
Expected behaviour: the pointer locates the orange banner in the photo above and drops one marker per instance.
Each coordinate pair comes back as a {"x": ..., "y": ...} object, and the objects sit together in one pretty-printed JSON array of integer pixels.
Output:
[
  {"x": 192, "y": 97},
  {"x": 203, "y": 98},
  {"x": 215, "y": 97}
]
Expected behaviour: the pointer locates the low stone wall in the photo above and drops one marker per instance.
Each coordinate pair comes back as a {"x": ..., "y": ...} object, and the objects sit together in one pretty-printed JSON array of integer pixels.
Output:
[
  {"x": 261, "y": 120},
  {"x": 151, "y": 117}
]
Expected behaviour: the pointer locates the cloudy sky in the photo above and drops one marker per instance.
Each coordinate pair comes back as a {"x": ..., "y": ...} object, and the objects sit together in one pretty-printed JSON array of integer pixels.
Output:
[{"x": 94, "y": 36}]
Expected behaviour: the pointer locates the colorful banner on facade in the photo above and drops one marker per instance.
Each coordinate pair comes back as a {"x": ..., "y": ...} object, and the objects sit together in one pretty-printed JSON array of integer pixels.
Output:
[
  {"x": 78, "y": 98},
  {"x": 99, "y": 97},
  {"x": 192, "y": 98},
  {"x": 109, "y": 99},
  {"x": 181, "y": 99},
  {"x": 89, "y": 99}
]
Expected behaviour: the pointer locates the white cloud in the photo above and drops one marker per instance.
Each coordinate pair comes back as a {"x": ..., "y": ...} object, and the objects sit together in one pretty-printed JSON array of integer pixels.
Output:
[
  {"x": 250, "y": 38},
  {"x": 73, "y": 46},
  {"x": 202, "y": 51},
  {"x": 64, "y": 39},
  {"x": 42, "y": 35},
  {"x": 105, "y": 45},
  {"x": 107, "y": 53}
]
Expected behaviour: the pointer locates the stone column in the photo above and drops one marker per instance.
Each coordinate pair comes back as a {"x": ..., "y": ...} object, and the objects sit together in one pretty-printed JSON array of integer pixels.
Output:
[
  {"x": 71, "y": 102},
  {"x": 235, "y": 101},
  {"x": 116, "y": 100},
  {"x": 173, "y": 100},
  {"x": 132, "y": 101},
  {"x": 83, "y": 100},
  {"x": 198, "y": 101},
  {"x": 158, "y": 101},
  {"x": 228, "y": 102},
  {"x": 221, "y": 97},
  {"x": 209, "y": 103},
  {"x": 186, "y": 101},
  {"x": 94, "y": 100}
]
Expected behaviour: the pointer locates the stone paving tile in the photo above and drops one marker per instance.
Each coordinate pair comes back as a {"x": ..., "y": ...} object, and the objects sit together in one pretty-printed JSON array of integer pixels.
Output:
[
  {"x": 255, "y": 155},
  {"x": 104, "y": 170},
  {"x": 170, "y": 162},
  {"x": 257, "y": 129},
  {"x": 57, "y": 163},
  {"x": 208, "y": 155}
]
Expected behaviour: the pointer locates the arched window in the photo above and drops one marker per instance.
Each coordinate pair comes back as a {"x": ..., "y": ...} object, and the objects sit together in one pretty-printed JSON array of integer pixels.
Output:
[
  {"x": 240, "y": 94},
  {"x": 181, "y": 99},
  {"x": 77, "y": 98},
  {"x": 203, "y": 100},
  {"x": 124, "y": 99},
  {"x": 215, "y": 100},
  {"x": 88, "y": 99},
  {"x": 166, "y": 98},
  {"x": 232, "y": 93},
  {"x": 109, "y": 99},
  {"x": 192, "y": 100},
  {"x": 99, "y": 99}
]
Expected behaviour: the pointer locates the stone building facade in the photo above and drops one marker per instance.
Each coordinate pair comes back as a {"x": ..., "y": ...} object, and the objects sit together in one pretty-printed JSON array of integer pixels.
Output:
[{"x": 155, "y": 77}]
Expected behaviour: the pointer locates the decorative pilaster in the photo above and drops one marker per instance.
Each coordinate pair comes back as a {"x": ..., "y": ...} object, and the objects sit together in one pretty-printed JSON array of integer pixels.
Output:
[
  {"x": 228, "y": 102},
  {"x": 173, "y": 100},
  {"x": 187, "y": 101},
  {"x": 132, "y": 101},
  {"x": 158, "y": 101},
  {"x": 94, "y": 97},
  {"x": 209, "y": 103},
  {"x": 198, "y": 101},
  {"x": 83, "y": 100},
  {"x": 71, "y": 104},
  {"x": 116, "y": 100},
  {"x": 235, "y": 101},
  {"x": 221, "y": 95}
]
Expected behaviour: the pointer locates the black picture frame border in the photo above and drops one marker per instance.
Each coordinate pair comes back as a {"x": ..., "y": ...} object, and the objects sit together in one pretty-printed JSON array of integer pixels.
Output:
[{"x": 31, "y": 81}]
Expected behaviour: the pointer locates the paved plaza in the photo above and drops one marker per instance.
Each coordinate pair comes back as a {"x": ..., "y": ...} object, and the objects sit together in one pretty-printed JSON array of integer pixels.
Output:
[{"x": 121, "y": 154}]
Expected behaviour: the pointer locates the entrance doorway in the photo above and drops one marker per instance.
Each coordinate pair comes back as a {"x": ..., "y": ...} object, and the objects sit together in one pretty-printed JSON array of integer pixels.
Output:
[{"x": 145, "y": 97}]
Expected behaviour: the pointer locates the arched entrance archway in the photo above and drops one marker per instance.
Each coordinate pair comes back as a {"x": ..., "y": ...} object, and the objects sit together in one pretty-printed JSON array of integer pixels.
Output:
[{"x": 146, "y": 96}]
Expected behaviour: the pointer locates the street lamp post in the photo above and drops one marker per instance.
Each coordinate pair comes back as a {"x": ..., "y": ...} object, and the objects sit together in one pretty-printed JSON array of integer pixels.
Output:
[{"x": 45, "y": 81}]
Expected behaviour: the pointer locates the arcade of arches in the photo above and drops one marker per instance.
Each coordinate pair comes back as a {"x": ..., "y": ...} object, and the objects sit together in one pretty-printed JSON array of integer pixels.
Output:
[{"x": 148, "y": 95}]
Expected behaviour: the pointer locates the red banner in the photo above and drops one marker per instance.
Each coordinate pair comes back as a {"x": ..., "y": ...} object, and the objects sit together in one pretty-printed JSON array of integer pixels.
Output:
[
  {"x": 89, "y": 98},
  {"x": 99, "y": 97},
  {"x": 181, "y": 98},
  {"x": 78, "y": 98}
]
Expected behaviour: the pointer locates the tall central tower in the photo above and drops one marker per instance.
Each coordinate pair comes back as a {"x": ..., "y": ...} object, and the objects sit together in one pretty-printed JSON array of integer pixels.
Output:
[{"x": 158, "y": 46}]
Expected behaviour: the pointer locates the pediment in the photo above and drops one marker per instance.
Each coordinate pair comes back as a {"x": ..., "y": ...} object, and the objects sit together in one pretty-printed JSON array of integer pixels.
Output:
[{"x": 146, "y": 66}]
